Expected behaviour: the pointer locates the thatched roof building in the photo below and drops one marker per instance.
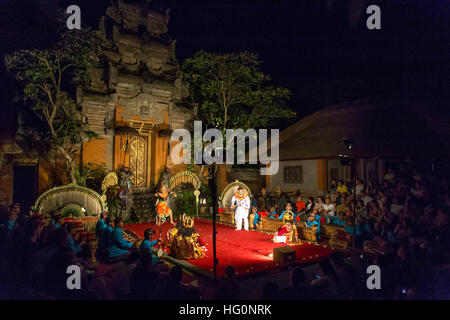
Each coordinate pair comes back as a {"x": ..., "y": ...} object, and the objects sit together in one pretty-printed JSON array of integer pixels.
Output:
[{"x": 382, "y": 127}]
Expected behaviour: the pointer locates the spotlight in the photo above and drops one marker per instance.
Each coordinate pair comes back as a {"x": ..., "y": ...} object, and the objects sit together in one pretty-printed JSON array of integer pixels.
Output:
[
  {"x": 349, "y": 144},
  {"x": 270, "y": 255}
]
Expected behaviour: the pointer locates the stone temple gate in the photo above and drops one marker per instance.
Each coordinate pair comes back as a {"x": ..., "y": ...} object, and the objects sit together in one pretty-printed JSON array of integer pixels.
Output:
[{"x": 137, "y": 95}]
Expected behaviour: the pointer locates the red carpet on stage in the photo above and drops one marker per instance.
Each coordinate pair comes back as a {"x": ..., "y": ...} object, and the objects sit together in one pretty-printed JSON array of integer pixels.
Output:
[{"x": 247, "y": 251}]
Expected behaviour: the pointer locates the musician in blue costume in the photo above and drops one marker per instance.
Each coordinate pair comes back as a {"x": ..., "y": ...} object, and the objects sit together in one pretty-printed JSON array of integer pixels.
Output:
[
  {"x": 101, "y": 225},
  {"x": 256, "y": 216},
  {"x": 147, "y": 244},
  {"x": 314, "y": 220},
  {"x": 118, "y": 248},
  {"x": 273, "y": 213},
  {"x": 105, "y": 237},
  {"x": 76, "y": 247},
  {"x": 58, "y": 220},
  {"x": 286, "y": 211}
]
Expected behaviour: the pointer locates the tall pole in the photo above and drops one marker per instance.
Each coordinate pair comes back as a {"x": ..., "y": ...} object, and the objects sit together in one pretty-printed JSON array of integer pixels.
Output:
[
  {"x": 354, "y": 203},
  {"x": 214, "y": 196}
]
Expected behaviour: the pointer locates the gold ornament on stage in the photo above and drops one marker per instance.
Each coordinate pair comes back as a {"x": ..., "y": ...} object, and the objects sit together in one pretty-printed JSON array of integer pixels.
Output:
[{"x": 184, "y": 241}]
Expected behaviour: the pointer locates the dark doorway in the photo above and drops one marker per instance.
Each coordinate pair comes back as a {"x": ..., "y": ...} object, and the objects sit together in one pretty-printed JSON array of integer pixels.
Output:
[{"x": 25, "y": 186}]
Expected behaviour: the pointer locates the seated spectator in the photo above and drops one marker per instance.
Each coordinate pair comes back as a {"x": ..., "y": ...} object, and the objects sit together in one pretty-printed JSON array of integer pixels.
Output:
[
  {"x": 309, "y": 205},
  {"x": 143, "y": 278},
  {"x": 341, "y": 188},
  {"x": 359, "y": 186},
  {"x": 300, "y": 204},
  {"x": 348, "y": 275},
  {"x": 396, "y": 207},
  {"x": 333, "y": 186},
  {"x": 365, "y": 198},
  {"x": 341, "y": 207},
  {"x": 319, "y": 204},
  {"x": 119, "y": 276},
  {"x": 441, "y": 220},
  {"x": 389, "y": 176},
  {"x": 175, "y": 290},
  {"x": 54, "y": 273},
  {"x": 297, "y": 289},
  {"x": 381, "y": 199},
  {"x": 374, "y": 211},
  {"x": 328, "y": 207},
  {"x": 371, "y": 187},
  {"x": 327, "y": 282},
  {"x": 228, "y": 288},
  {"x": 403, "y": 231}
]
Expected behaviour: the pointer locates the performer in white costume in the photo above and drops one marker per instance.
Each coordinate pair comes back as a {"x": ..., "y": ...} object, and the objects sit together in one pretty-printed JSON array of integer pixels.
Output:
[{"x": 241, "y": 202}]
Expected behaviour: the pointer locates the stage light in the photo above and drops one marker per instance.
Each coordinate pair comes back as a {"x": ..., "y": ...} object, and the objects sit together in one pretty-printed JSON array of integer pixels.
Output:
[
  {"x": 270, "y": 255},
  {"x": 83, "y": 209},
  {"x": 349, "y": 143}
]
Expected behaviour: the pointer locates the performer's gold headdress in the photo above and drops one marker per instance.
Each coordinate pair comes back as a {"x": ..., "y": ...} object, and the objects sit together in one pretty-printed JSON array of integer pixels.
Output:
[
  {"x": 288, "y": 216},
  {"x": 188, "y": 222}
]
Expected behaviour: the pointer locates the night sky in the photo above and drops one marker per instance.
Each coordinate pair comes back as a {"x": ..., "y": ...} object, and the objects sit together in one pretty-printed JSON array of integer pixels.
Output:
[{"x": 320, "y": 49}]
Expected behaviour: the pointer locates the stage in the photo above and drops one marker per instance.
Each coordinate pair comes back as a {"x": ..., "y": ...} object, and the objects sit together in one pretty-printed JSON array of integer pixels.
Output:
[{"x": 247, "y": 251}]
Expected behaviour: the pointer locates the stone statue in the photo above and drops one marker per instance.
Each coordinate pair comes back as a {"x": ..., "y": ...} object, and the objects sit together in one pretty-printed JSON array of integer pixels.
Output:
[{"x": 125, "y": 190}]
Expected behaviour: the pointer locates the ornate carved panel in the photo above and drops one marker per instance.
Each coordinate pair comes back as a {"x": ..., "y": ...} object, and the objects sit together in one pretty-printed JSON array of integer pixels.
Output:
[{"x": 138, "y": 161}]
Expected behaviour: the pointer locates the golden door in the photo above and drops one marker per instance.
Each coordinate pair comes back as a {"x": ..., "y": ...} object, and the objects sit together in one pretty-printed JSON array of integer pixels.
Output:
[{"x": 138, "y": 161}]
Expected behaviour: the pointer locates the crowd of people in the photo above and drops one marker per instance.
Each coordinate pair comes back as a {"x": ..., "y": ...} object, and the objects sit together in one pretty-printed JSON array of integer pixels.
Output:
[
  {"x": 401, "y": 226},
  {"x": 35, "y": 259}
]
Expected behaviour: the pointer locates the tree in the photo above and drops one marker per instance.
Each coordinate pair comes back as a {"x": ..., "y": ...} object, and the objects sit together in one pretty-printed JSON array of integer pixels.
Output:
[
  {"x": 232, "y": 92},
  {"x": 47, "y": 77}
]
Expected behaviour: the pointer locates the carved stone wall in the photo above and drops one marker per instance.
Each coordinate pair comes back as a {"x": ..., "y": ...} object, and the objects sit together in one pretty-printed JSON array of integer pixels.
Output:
[{"x": 138, "y": 77}]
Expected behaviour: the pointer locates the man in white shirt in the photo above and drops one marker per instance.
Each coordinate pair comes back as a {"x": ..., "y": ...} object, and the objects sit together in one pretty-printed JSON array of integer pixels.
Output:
[
  {"x": 359, "y": 186},
  {"x": 364, "y": 197},
  {"x": 328, "y": 207},
  {"x": 241, "y": 202}
]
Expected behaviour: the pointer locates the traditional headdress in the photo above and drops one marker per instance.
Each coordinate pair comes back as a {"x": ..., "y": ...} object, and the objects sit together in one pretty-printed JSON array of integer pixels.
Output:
[{"x": 238, "y": 196}]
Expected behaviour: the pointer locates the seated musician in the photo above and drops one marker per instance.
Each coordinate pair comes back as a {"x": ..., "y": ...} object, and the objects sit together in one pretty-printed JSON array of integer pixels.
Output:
[
  {"x": 104, "y": 238},
  {"x": 287, "y": 233},
  {"x": 58, "y": 220},
  {"x": 273, "y": 213},
  {"x": 76, "y": 246},
  {"x": 287, "y": 211},
  {"x": 101, "y": 225},
  {"x": 256, "y": 216},
  {"x": 314, "y": 220},
  {"x": 148, "y": 244},
  {"x": 340, "y": 220},
  {"x": 118, "y": 248}
]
